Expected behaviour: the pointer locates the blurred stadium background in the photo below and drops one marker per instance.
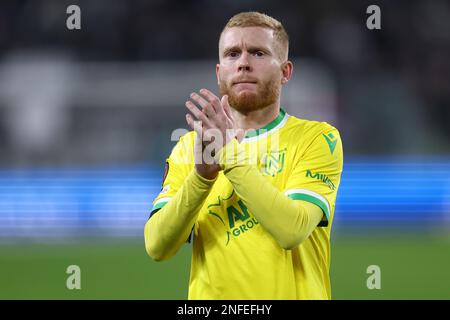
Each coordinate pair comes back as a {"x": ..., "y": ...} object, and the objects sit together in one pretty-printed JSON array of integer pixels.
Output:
[{"x": 86, "y": 119}]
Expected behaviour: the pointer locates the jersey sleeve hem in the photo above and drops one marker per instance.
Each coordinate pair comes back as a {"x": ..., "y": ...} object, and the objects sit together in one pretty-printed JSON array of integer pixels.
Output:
[
  {"x": 314, "y": 198},
  {"x": 159, "y": 204}
]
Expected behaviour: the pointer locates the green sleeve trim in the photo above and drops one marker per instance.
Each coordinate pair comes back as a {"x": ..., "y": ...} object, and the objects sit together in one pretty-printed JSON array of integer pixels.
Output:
[
  {"x": 159, "y": 205},
  {"x": 313, "y": 200}
]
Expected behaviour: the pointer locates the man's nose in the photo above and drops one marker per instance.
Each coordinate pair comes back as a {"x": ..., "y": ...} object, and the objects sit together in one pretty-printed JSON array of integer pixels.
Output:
[{"x": 243, "y": 63}]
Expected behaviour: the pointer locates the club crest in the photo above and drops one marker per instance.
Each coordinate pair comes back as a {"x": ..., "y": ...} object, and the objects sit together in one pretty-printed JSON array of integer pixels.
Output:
[{"x": 272, "y": 163}]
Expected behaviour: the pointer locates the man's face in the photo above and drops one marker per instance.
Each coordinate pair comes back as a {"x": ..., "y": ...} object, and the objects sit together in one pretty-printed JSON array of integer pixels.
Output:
[{"x": 250, "y": 69}]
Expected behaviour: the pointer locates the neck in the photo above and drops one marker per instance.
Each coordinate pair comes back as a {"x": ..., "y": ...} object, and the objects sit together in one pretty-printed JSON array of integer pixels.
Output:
[{"x": 258, "y": 118}]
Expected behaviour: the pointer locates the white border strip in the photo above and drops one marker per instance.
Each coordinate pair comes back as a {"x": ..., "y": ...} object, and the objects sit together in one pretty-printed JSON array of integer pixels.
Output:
[
  {"x": 310, "y": 193},
  {"x": 162, "y": 200},
  {"x": 262, "y": 136}
]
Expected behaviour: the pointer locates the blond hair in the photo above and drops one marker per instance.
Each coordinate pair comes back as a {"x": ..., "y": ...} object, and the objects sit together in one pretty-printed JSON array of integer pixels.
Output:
[{"x": 257, "y": 19}]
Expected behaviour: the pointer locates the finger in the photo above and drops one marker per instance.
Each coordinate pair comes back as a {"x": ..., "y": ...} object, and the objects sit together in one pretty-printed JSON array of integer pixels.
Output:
[
  {"x": 190, "y": 121},
  {"x": 240, "y": 134},
  {"x": 198, "y": 140},
  {"x": 196, "y": 126},
  {"x": 226, "y": 107},
  {"x": 213, "y": 99},
  {"x": 206, "y": 106},
  {"x": 196, "y": 112}
]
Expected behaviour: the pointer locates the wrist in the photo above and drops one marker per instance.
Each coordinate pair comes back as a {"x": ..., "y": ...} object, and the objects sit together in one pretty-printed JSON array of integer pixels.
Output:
[
  {"x": 206, "y": 177},
  {"x": 233, "y": 153}
]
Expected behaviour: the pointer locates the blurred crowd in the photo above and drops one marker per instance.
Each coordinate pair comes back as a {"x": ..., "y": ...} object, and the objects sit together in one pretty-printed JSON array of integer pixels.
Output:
[{"x": 393, "y": 84}]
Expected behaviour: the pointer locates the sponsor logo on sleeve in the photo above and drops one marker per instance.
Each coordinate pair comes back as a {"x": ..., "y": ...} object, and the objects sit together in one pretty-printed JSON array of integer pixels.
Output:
[
  {"x": 331, "y": 140},
  {"x": 322, "y": 177}
]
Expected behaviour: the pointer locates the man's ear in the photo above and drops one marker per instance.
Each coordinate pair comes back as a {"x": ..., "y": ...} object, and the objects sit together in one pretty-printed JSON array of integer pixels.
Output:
[
  {"x": 217, "y": 74},
  {"x": 287, "y": 68}
]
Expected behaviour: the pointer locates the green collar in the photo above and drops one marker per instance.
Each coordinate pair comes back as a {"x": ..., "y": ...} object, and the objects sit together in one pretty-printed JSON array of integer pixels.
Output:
[{"x": 268, "y": 127}]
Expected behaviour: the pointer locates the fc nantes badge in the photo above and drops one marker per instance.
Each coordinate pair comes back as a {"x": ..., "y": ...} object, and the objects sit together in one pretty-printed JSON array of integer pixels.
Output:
[{"x": 273, "y": 162}]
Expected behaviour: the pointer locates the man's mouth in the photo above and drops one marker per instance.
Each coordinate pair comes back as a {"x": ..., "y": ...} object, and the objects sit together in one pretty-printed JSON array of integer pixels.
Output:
[{"x": 244, "y": 82}]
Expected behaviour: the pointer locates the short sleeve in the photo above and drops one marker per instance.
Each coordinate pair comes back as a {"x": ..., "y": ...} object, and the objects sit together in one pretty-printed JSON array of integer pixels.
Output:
[{"x": 316, "y": 173}]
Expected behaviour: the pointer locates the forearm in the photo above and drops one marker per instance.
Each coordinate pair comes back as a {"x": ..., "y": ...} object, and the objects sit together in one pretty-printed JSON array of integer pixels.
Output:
[
  {"x": 288, "y": 221},
  {"x": 167, "y": 230}
]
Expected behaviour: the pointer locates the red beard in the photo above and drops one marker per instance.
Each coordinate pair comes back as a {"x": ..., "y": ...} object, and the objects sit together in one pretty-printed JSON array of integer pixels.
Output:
[{"x": 267, "y": 93}]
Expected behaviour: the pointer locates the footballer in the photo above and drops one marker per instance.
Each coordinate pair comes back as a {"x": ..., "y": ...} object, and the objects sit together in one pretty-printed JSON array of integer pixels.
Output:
[{"x": 259, "y": 210}]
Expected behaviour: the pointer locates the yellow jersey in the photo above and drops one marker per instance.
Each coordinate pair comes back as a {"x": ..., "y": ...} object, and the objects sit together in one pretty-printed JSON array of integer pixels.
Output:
[{"x": 233, "y": 256}]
